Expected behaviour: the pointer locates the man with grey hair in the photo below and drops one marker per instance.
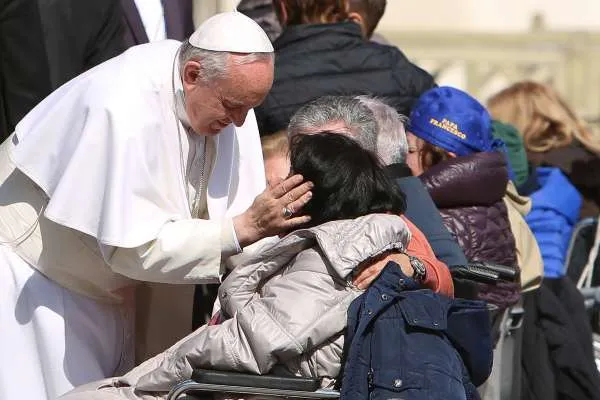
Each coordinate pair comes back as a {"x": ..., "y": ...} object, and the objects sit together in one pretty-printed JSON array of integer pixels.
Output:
[
  {"x": 342, "y": 114},
  {"x": 145, "y": 168},
  {"x": 379, "y": 128}
]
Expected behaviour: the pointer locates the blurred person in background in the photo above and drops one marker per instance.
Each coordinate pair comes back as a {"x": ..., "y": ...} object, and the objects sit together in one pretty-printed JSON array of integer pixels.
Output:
[
  {"x": 22, "y": 62},
  {"x": 367, "y": 13},
  {"x": 555, "y": 202},
  {"x": 263, "y": 13},
  {"x": 79, "y": 35},
  {"x": 275, "y": 150},
  {"x": 554, "y": 136},
  {"x": 379, "y": 129},
  {"x": 324, "y": 50},
  {"x": 151, "y": 20},
  {"x": 558, "y": 357},
  {"x": 45, "y": 43}
]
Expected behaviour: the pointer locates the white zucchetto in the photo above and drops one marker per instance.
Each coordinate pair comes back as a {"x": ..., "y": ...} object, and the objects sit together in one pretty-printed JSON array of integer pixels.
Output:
[{"x": 232, "y": 32}]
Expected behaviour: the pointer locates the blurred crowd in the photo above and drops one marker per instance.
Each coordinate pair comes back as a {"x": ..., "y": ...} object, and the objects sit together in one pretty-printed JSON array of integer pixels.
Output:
[{"x": 507, "y": 182}]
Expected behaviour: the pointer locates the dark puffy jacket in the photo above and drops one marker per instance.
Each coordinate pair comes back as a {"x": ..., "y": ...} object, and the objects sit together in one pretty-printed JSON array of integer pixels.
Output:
[
  {"x": 558, "y": 354},
  {"x": 403, "y": 343},
  {"x": 421, "y": 210},
  {"x": 468, "y": 191},
  {"x": 333, "y": 59}
]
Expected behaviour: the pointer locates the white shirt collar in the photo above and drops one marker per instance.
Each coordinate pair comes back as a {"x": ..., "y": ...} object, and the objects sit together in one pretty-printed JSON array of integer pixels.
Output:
[{"x": 179, "y": 94}]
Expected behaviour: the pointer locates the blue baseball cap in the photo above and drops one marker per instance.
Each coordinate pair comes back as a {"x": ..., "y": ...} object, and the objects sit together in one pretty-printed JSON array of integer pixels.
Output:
[{"x": 454, "y": 121}]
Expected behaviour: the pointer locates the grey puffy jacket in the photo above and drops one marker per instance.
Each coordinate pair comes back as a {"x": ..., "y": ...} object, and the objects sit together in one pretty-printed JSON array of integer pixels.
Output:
[{"x": 287, "y": 307}]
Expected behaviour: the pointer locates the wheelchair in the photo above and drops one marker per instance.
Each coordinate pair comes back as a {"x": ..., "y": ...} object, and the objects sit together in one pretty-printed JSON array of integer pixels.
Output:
[
  {"x": 207, "y": 382},
  {"x": 204, "y": 382}
]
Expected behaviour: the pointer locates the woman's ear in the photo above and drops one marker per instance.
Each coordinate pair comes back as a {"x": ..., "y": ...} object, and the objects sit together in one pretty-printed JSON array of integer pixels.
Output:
[
  {"x": 358, "y": 19},
  {"x": 451, "y": 154}
]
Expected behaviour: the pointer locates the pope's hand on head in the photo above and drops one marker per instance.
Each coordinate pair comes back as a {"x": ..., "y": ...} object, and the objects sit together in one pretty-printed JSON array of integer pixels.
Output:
[{"x": 274, "y": 211}]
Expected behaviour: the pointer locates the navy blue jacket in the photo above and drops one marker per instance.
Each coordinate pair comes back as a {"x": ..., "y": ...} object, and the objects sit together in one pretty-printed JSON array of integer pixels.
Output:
[
  {"x": 422, "y": 211},
  {"x": 402, "y": 342}
]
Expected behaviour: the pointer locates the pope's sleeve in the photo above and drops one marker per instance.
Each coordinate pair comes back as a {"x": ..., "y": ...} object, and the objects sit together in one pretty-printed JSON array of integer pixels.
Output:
[{"x": 185, "y": 252}]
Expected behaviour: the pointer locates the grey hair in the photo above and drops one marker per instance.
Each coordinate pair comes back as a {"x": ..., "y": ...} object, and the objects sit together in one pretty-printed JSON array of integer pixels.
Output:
[
  {"x": 357, "y": 118},
  {"x": 214, "y": 63},
  {"x": 392, "y": 146}
]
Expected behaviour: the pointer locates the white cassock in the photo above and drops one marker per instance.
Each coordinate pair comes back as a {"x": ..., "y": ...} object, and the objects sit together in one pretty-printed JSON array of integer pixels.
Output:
[{"x": 98, "y": 186}]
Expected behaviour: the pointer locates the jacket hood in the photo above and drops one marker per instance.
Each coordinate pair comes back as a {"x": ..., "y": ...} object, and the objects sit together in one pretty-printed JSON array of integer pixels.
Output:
[
  {"x": 479, "y": 179},
  {"x": 345, "y": 244},
  {"x": 557, "y": 193}
]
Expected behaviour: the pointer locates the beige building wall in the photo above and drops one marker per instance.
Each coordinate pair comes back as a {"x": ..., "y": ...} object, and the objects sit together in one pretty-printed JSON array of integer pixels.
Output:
[
  {"x": 206, "y": 8},
  {"x": 489, "y": 15}
]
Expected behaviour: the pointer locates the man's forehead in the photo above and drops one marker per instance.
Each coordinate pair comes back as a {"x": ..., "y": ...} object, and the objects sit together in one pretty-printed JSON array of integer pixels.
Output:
[
  {"x": 236, "y": 95},
  {"x": 240, "y": 89},
  {"x": 331, "y": 126}
]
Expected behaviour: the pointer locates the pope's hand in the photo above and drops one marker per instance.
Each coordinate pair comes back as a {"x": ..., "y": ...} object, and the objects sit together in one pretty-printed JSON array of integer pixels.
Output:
[{"x": 273, "y": 211}]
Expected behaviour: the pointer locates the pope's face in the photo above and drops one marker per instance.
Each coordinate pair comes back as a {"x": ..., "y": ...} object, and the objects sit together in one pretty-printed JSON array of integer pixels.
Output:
[{"x": 214, "y": 105}]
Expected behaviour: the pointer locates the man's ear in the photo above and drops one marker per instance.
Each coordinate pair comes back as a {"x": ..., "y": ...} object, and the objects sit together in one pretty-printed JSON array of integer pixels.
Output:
[
  {"x": 191, "y": 73},
  {"x": 451, "y": 154},
  {"x": 280, "y": 12},
  {"x": 358, "y": 19}
]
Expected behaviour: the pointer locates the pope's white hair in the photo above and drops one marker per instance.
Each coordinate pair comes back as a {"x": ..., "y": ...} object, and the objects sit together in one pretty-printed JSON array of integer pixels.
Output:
[
  {"x": 214, "y": 63},
  {"x": 392, "y": 146}
]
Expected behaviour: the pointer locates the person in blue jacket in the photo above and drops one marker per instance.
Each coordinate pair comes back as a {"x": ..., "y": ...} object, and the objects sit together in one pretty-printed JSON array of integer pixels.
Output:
[{"x": 556, "y": 203}]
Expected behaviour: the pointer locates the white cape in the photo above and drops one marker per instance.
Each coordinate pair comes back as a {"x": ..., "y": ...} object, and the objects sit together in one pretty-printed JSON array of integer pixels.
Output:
[{"x": 105, "y": 150}]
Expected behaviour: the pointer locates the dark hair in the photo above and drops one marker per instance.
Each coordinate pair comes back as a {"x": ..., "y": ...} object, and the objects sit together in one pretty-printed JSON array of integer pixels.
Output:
[
  {"x": 349, "y": 181},
  {"x": 432, "y": 155},
  {"x": 315, "y": 11}
]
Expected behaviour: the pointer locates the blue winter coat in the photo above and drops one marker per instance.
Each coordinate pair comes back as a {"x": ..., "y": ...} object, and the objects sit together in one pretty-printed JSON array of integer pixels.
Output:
[
  {"x": 410, "y": 343},
  {"x": 555, "y": 210}
]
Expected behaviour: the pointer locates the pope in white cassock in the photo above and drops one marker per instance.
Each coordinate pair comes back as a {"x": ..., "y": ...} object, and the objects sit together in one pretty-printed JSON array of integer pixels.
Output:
[{"x": 147, "y": 167}]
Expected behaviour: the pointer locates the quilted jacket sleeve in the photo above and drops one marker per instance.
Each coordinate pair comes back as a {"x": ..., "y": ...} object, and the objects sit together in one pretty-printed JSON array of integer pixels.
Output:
[
  {"x": 288, "y": 320},
  {"x": 412, "y": 81}
]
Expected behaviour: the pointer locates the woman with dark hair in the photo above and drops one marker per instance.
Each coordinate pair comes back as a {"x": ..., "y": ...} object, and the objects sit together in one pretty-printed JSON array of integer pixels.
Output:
[
  {"x": 350, "y": 181},
  {"x": 284, "y": 309}
]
